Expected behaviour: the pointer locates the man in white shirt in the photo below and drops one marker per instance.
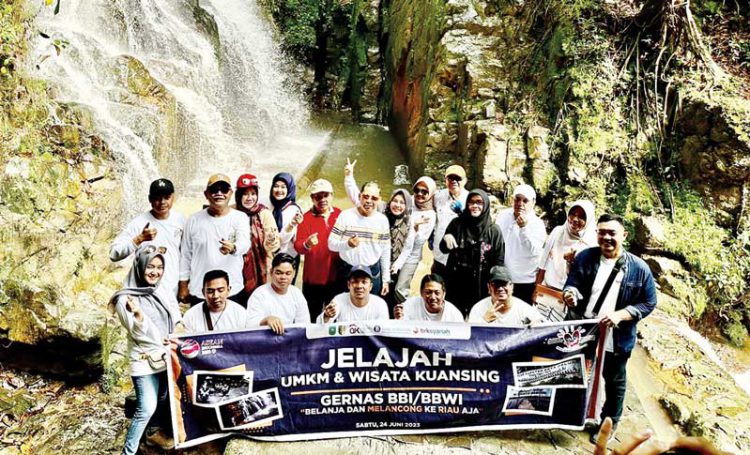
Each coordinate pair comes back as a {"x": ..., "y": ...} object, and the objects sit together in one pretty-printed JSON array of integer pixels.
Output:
[
  {"x": 430, "y": 305},
  {"x": 214, "y": 238},
  {"x": 362, "y": 237},
  {"x": 357, "y": 304},
  {"x": 159, "y": 227},
  {"x": 449, "y": 203},
  {"x": 501, "y": 307},
  {"x": 277, "y": 303},
  {"x": 524, "y": 234},
  {"x": 216, "y": 313}
]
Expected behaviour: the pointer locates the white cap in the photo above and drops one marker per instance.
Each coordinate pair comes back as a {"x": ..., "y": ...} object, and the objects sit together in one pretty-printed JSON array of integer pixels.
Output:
[
  {"x": 525, "y": 190},
  {"x": 321, "y": 186}
]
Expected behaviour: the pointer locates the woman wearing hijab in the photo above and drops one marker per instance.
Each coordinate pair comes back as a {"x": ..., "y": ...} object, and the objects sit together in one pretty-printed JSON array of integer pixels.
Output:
[
  {"x": 286, "y": 213},
  {"x": 264, "y": 235},
  {"x": 563, "y": 244},
  {"x": 565, "y": 241},
  {"x": 422, "y": 224},
  {"x": 148, "y": 320},
  {"x": 398, "y": 211},
  {"x": 474, "y": 244}
]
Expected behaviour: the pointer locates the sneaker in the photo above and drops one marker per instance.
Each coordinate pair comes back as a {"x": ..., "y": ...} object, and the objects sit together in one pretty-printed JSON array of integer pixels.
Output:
[
  {"x": 594, "y": 437},
  {"x": 160, "y": 440}
]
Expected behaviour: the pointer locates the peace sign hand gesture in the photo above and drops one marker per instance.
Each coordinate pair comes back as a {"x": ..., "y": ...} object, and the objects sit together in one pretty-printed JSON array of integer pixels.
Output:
[{"x": 349, "y": 168}]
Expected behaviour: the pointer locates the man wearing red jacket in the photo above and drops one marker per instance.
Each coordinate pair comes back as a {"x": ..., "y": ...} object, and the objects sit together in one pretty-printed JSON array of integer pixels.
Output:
[{"x": 321, "y": 264}]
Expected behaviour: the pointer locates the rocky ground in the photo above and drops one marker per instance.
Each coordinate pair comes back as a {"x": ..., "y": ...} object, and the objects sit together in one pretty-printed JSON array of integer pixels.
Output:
[{"x": 667, "y": 372}]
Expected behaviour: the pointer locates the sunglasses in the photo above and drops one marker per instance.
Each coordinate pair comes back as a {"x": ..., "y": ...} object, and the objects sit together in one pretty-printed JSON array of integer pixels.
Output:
[
  {"x": 499, "y": 284},
  {"x": 421, "y": 191},
  {"x": 319, "y": 196},
  {"x": 454, "y": 178},
  {"x": 220, "y": 189},
  {"x": 150, "y": 249}
]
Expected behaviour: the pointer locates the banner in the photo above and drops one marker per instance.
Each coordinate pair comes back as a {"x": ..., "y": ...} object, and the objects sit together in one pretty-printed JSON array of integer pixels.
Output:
[{"x": 382, "y": 378}]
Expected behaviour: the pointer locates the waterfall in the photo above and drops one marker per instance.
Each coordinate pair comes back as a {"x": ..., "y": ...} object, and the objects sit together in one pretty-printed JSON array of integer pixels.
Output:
[{"x": 172, "y": 98}]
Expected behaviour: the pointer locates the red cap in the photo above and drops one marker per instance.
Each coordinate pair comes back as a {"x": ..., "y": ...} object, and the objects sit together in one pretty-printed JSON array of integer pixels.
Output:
[{"x": 247, "y": 181}]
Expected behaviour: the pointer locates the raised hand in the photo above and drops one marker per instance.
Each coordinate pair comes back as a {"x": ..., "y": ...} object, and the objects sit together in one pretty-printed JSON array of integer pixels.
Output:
[{"x": 349, "y": 168}]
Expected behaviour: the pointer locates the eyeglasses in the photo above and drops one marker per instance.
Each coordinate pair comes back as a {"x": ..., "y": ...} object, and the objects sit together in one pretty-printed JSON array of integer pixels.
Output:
[
  {"x": 421, "y": 191},
  {"x": 454, "y": 178}
]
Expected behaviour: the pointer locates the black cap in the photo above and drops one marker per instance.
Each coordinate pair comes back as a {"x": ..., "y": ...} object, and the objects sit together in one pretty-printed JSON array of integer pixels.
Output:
[
  {"x": 360, "y": 270},
  {"x": 160, "y": 187},
  {"x": 499, "y": 273}
]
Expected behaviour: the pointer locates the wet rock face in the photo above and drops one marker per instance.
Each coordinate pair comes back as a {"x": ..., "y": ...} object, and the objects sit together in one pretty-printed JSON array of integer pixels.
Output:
[
  {"x": 699, "y": 396},
  {"x": 462, "y": 98},
  {"x": 715, "y": 156}
]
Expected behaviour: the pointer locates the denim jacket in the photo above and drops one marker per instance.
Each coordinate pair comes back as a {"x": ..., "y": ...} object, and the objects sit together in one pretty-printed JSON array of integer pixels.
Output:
[{"x": 637, "y": 293}]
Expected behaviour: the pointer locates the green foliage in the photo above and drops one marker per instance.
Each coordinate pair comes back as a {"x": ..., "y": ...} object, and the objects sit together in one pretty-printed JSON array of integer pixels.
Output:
[{"x": 695, "y": 237}]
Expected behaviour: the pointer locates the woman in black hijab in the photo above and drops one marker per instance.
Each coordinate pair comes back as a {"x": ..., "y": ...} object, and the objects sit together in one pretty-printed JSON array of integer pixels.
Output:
[{"x": 474, "y": 245}]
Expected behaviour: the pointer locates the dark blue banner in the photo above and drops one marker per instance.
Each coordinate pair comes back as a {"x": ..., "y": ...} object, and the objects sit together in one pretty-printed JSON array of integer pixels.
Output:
[{"x": 379, "y": 378}]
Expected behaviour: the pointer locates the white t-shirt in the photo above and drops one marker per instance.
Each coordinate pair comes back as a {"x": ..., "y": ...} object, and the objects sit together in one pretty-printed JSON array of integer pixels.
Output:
[
  {"x": 523, "y": 245},
  {"x": 168, "y": 235},
  {"x": 291, "y": 307},
  {"x": 234, "y": 317},
  {"x": 610, "y": 301},
  {"x": 200, "y": 248},
  {"x": 520, "y": 313},
  {"x": 445, "y": 214},
  {"x": 375, "y": 310},
  {"x": 374, "y": 240},
  {"x": 415, "y": 310}
]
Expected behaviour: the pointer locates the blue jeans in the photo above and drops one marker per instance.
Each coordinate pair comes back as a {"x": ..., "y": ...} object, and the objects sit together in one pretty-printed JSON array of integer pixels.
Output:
[{"x": 150, "y": 395}]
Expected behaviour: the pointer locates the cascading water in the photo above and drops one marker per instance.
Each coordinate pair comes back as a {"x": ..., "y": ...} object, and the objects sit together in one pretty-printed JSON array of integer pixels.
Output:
[{"x": 171, "y": 98}]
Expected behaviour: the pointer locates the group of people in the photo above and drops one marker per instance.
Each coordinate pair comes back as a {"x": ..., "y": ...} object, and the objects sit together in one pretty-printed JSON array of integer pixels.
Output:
[{"x": 235, "y": 263}]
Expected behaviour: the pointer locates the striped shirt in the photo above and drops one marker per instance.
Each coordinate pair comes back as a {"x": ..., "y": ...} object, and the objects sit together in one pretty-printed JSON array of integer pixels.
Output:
[{"x": 374, "y": 237}]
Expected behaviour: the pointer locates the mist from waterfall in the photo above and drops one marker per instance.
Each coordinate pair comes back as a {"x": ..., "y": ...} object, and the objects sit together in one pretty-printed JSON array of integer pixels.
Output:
[{"x": 228, "y": 105}]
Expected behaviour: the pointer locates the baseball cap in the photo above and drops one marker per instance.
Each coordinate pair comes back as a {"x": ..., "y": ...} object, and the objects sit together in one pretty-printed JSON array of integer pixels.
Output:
[
  {"x": 360, "y": 269},
  {"x": 499, "y": 273},
  {"x": 321, "y": 186},
  {"x": 247, "y": 181},
  {"x": 456, "y": 170},
  {"x": 161, "y": 187},
  {"x": 525, "y": 190},
  {"x": 216, "y": 178}
]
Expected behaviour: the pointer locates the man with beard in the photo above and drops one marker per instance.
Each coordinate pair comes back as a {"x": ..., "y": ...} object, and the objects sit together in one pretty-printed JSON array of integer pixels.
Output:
[
  {"x": 159, "y": 227},
  {"x": 616, "y": 287},
  {"x": 361, "y": 236},
  {"x": 214, "y": 238},
  {"x": 216, "y": 313},
  {"x": 357, "y": 304},
  {"x": 321, "y": 264},
  {"x": 430, "y": 305},
  {"x": 501, "y": 307}
]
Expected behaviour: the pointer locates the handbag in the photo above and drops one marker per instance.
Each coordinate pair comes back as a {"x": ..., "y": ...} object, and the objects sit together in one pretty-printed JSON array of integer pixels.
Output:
[{"x": 548, "y": 300}]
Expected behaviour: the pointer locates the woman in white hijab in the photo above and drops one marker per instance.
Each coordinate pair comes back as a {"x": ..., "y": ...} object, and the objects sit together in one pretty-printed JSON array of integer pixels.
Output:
[{"x": 565, "y": 241}]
